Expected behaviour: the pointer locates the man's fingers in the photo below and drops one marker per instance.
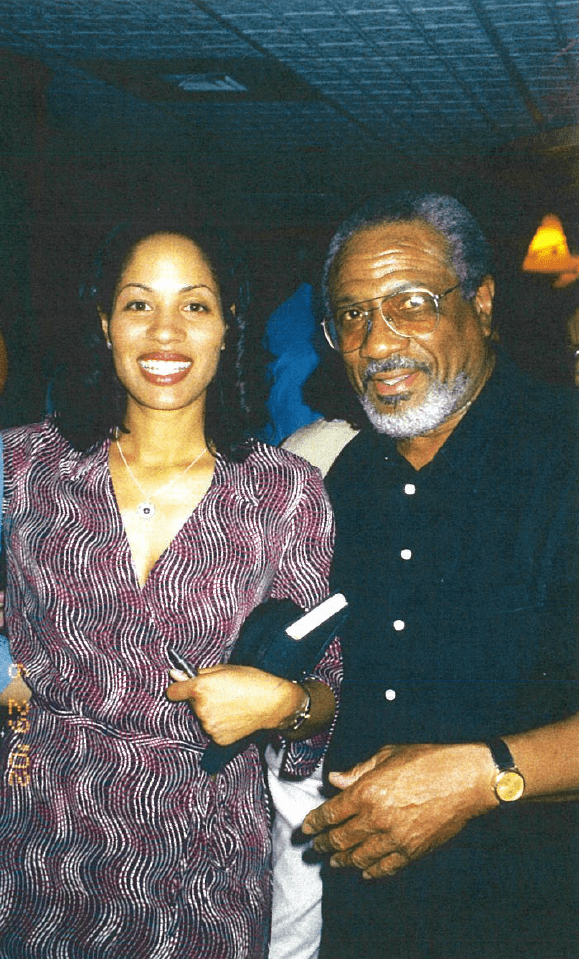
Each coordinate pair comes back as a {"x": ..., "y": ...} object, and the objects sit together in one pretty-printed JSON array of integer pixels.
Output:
[
  {"x": 344, "y": 779},
  {"x": 387, "y": 866},
  {"x": 366, "y": 853},
  {"x": 330, "y": 813},
  {"x": 343, "y": 838}
]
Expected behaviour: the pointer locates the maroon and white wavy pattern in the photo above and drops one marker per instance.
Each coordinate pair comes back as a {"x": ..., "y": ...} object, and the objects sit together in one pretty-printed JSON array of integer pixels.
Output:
[{"x": 121, "y": 847}]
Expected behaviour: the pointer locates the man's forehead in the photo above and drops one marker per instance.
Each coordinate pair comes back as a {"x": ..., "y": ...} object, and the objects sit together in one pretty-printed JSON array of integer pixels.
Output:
[
  {"x": 394, "y": 234},
  {"x": 386, "y": 247}
]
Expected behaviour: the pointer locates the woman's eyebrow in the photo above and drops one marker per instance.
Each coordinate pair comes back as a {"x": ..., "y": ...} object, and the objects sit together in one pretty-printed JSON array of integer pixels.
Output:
[{"x": 150, "y": 289}]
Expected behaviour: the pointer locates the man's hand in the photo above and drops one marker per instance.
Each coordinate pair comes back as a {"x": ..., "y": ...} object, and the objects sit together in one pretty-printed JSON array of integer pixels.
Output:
[{"x": 401, "y": 804}]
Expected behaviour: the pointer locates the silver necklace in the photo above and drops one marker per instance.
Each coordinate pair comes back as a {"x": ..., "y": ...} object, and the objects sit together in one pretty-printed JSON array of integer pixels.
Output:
[{"x": 146, "y": 508}]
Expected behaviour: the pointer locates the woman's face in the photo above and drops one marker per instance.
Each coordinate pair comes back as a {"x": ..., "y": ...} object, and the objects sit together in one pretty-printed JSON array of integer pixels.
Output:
[{"x": 166, "y": 326}]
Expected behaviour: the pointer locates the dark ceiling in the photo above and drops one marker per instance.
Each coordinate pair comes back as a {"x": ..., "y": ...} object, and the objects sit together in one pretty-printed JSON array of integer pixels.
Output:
[
  {"x": 339, "y": 94},
  {"x": 284, "y": 113}
]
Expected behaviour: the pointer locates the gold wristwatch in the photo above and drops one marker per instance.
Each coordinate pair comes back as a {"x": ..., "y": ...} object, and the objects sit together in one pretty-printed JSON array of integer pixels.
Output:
[
  {"x": 508, "y": 782},
  {"x": 302, "y": 714}
]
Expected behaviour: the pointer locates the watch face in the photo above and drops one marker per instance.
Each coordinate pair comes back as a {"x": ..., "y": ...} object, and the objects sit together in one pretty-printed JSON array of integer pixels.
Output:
[{"x": 509, "y": 785}]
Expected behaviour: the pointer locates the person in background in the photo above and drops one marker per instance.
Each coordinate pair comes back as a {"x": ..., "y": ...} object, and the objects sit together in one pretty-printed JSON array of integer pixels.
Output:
[
  {"x": 142, "y": 515},
  {"x": 573, "y": 343},
  {"x": 291, "y": 339},
  {"x": 455, "y": 499}
]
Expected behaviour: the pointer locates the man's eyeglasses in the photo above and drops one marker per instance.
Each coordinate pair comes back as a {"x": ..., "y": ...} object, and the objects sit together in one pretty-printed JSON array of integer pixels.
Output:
[{"x": 409, "y": 313}]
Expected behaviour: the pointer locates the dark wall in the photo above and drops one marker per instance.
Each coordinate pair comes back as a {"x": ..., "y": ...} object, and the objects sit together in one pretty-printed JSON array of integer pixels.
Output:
[{"x": 59, "y": 194}]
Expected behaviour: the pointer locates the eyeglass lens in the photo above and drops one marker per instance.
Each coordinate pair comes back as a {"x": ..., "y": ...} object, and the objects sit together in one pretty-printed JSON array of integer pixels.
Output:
[{"x": 410, "y": 313}]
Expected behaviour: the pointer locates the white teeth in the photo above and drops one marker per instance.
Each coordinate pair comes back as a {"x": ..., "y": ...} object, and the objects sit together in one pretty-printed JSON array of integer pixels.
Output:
[{"x": 163, "y": 367}]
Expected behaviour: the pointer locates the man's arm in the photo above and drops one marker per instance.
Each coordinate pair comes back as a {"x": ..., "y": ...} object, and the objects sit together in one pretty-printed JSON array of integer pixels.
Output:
[{"x": 408, "y": 800}]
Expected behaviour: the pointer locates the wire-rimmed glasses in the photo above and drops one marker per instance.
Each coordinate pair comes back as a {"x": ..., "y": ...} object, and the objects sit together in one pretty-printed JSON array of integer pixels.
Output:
[{"x": 412, "y": 312}]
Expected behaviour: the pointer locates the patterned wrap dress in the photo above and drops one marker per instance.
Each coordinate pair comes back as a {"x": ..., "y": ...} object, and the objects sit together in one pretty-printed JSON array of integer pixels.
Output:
[{"x": 113, "y": 842}]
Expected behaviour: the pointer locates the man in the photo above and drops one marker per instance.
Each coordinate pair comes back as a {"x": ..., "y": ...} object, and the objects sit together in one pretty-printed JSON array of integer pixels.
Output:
[{"x": 457, "y": 545}]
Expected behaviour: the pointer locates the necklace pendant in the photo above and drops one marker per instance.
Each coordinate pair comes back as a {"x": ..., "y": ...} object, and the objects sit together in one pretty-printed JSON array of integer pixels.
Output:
[{"x": 146, "y": 509}]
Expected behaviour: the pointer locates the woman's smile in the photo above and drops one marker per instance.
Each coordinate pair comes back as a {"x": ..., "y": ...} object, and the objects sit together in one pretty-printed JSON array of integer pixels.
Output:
[{"x": 164, "y": 368}]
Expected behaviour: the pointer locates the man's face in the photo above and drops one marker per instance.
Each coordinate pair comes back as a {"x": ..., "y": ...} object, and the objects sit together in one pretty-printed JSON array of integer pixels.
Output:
[{"x": 409, "y": 386}]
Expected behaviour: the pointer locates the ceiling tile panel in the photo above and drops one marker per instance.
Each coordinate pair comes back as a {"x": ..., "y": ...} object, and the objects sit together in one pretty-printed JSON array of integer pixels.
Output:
[{"x": 442, "y": 79}]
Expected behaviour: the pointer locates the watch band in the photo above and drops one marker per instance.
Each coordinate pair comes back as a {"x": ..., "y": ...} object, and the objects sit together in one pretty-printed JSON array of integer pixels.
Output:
[
  {"x": 502, "y": 755},
  {"x": 302, "y": 714}
]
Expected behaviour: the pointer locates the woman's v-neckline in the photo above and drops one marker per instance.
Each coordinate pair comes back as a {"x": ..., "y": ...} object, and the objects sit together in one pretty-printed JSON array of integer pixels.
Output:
[{"x": 141, "y": 586}]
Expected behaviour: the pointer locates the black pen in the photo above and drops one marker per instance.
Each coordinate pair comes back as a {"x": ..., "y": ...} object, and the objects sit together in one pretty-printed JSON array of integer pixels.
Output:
[{"x": 179, "y": 662}]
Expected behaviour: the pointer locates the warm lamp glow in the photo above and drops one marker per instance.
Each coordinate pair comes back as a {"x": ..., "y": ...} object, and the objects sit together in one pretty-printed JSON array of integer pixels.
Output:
[
  {"x": 565, "y": 279},
  {"x": 548, "y": 251}
]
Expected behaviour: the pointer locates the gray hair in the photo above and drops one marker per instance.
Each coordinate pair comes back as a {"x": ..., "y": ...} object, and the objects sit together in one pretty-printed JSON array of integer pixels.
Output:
[{"x": 470, "y": 253}]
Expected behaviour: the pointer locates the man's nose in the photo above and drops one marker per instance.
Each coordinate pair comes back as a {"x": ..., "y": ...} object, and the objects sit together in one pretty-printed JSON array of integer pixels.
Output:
[{"x": 381, "y": 339}]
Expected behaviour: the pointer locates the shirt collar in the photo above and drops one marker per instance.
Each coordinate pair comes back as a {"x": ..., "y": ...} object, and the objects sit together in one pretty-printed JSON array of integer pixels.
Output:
[{"x": 468, "y": 442}]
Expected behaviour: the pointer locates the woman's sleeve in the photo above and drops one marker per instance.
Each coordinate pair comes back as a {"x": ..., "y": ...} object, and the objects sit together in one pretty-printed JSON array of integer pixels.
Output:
[{"x": 303, "y": 576}]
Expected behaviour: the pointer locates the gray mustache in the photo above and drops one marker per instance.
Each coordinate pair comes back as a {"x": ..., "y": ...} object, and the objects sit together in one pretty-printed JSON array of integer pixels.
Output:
[{"x": 392, "y": 363}]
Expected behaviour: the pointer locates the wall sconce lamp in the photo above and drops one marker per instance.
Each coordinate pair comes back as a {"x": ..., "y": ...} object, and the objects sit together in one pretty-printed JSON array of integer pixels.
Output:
[{"x": 548, "y": 253}]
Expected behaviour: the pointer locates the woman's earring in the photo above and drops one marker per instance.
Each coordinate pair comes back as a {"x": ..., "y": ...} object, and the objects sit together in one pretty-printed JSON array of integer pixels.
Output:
[{"x": 109, "y": 345}]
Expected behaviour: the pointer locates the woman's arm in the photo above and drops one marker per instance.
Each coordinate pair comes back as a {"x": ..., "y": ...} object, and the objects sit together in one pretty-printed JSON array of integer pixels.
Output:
[
  {"x": 16, "y": 691},
  {"x": 232, "y": 702},
  {"x": 12, "y": 685}
]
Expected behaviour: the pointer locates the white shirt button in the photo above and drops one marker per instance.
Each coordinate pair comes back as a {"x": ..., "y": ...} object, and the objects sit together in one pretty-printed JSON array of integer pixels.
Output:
[
  {"x": 398, "y": 624},
  {"x": 390, "y": 694},
  {"x": 406, "y": 553},
  {"x": 409, "y": 489}
]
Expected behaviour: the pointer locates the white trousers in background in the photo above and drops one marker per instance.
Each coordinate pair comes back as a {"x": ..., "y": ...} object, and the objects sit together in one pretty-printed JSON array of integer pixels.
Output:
[{"x": 297, "y": 886}]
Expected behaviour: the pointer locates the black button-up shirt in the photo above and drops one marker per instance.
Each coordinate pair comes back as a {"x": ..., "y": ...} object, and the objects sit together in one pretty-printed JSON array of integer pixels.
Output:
[
  {"x": 463, "y": 585},
  {"x": 462, "y": 576}
]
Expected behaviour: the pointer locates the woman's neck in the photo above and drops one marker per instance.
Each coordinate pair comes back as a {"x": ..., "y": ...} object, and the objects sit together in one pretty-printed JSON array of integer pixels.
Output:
[{"x": 164, "y": 437}]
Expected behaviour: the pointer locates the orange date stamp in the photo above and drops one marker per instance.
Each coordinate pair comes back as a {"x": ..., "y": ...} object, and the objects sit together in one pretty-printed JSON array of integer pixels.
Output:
[{"x": 18, "y": 721}]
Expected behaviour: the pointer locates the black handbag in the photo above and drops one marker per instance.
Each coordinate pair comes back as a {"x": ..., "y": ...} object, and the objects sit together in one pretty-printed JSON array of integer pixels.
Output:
[{"x": 264, "y": 642}]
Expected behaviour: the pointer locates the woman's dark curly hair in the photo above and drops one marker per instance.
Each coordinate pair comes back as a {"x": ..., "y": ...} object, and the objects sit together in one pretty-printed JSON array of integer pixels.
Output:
[{"x": 89, "y": 400}]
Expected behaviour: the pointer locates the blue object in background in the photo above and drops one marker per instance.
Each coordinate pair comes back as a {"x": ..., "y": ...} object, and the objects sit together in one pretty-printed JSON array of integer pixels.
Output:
[
  {"x": 289, "y": 336},
  {"x": 5, "y": 657},
  {"x": 6, "y": 662}
]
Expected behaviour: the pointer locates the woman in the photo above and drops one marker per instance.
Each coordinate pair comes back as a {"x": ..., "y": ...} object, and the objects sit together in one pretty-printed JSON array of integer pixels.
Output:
[{"x": 139, "y": 518}]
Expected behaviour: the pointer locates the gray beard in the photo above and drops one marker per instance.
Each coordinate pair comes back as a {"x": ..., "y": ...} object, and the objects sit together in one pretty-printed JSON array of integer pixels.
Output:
[{"x": 440, "y": 402}]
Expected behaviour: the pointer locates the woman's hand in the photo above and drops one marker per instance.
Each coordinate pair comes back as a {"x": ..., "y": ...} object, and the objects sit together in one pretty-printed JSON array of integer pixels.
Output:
[{"x": 232, "y": 702}]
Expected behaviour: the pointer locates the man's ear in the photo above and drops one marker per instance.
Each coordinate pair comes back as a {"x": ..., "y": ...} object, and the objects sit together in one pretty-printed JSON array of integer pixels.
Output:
[
  {"x": 483, "y": 303},
  {"x": 104, "y": 324}
]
